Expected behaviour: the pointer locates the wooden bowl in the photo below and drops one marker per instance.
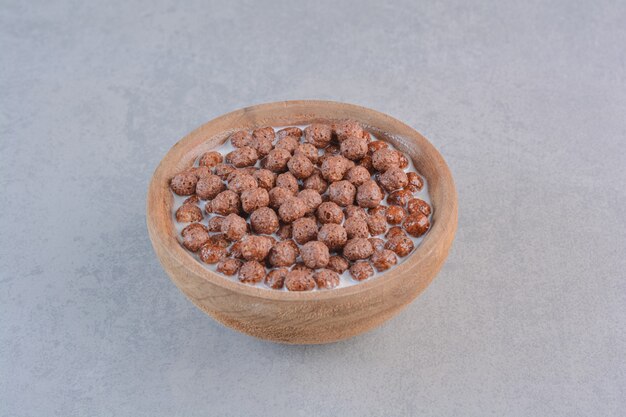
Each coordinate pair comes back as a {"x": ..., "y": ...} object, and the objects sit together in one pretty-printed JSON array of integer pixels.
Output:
[{"x": 303, "y": 317}]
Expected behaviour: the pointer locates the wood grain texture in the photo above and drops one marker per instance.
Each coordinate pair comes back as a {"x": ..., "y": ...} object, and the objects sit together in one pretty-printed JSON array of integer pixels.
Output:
[{"x": 303, "y": 317}]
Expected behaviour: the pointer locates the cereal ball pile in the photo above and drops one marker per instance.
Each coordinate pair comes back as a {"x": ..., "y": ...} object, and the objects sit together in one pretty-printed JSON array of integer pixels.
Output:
[{"x": 297, "y": 209}]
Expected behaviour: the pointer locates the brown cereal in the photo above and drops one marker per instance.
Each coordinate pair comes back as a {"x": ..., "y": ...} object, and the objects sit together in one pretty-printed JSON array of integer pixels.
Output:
[
  {"x": 254, "y": 199},
  {"x": 235, "y": 250},
  {"x": 348, "y": 128},
  {"x": 377, "y": 210},
  {"x": 318, "y": 135},
  {"x": 264, "y": 221},
  {"x": 358, "y": 248},
  {"x": 194, "y": 199},
  {"x": 287, "y": 143},
  {"x": 314, "y": 254},
  {"x": 356, "y": 211},
  {"x": 354, "y": 148},
  {"x": 394, "y": 231},
  {"x": 210, "y": 159},
  {"x": 311, "y": 198},
  {"x": 376, "y": 145},
  {"x": 241, "y": 139},
  {"x": 416, "y": 224},
  {"x": 361, "y": 270},
  {"x": 300, "y": 166},
  {"x": 366, "y": 162},
  {"x": 304, "y": 230},
  {"x": 342, "y": 193},
  {"x": 393, "y": 179},
  {"x": 404, "y": 161},
  {"x": 262, "y": 140},
  {"x": 276, "y": 278},
  {"x": 358, "y": 175},
  {"x": 337, "y": 263},
  {"x": 377, "y": 243},
  {"x": 239, "y": 182},
  {"x": 383, "y": 259},
  {"x": 242, "y": 157},
  {"x": 288, "y": 181},
  {"x": 224, "y": 170},
  {"x": 294, "y": 132},
  {"x": 284, "y": 231},
  {"x": 401, "y": 245},
  {"x": 369, "y": 194},
  {"x": 211, "y": 254},
  {"x": 284, "y": 253},
  {"x": 383, "y": 159},
  {"x": 228, "y": 266},
  {"x": 377, "y": 224},
  {"x": 316, "y": 182},
  {"x": 218, "y": 239},
  {"x": 251, "y": 272},
  {"x": 265, "y": 178},
  {"x": 307, "y": 150},
  {"x": 416, "y": 183},
  {"x": 255, "y": 248},
  {"x": 188, "y": 213},
  {"x": 209, "y": 186},
  {"x": 278, "y": 195},
  {"x": 292, "y": 209},
  {"x": 399, "y": 197},
  {"x": 333, "y": 235},
  {"x": 334, "y": 167},
  {"x": 215, "y": 224},
  {"x": 416, "y": 204},
  {"x": 276, "y": 160},
  {"x": 326, "y": 279},
  {"x": 299, "y": 280},
  {"x": 329, "y": 212},
  {"x": 184, "y": 183},
  {"x": 194, "y": 236},
  {"x": 233, "y": 227},
  {"x": 356, "y": 227},
  {"x": 395, "y": 214},
  {"x": 225, "y": 203},
  {"x": 201, "y": 171}
]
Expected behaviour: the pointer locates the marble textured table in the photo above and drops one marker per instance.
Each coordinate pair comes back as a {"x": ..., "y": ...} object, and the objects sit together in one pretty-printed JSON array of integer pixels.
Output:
[{"x": 525, "y": 100}]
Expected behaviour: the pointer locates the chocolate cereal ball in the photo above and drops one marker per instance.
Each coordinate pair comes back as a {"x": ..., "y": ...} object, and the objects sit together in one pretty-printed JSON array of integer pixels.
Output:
[
  {"x": 318, "y": 135},
  {"x": 224, "y": 170},
  {"x": 283, "y": 253},
  {"x": 215, "y": 224},
  {"x": 383, "y": 259},
  {"x": 278, "y": 195},
  {"x": 366, "y": 162},
  {"x": 376, "y": 145},
  {"x": 342, "y": 193},
  {"x": 242, "y": 157},
  {"x": 255, "y": 248},
  {"x": 393, "y": 179},
  {"x": 329, "y": 212},
  {"x": 334, "y": 167},
  {"x": 416, "y": 183},
  {"x": 326, "y": 279},
  {"x": 288, "y": 181},
  {"x": 294, "y": 132},
  {"x": 228, "y": 266},
  {"x": 276, "y": 160},
  {"x": 233, "y": 227},
  {"x": 300, "y": 166},
  {"x": 358, "y": 175},
  {"x": 404, "y": 161},
  {"x": 416, "y": 204},
  {"x": 399, "y": 197},
  {"x": 254, "y": 199},
  {"x": 356, "y": 211},
  {"x": 401, "y": 245},
  {"x": 356, "y": 227},
  {"x": 194, "y": 199},
  {"x": 241, "y": 139},
  {"x": 358, "y": 248},
  {"x": 311, "y": 198},
  {"x": 304, "y": 230},
  {"x": 416, "y": 224},
  {"x": 314, "y": 254},
  {"x": 316, "y": 182},
  {"x": 265, "y": 178},
  {"x": 211, "y": 253},
  {"x": 262, "y": 140},
  {"x": 201, "y": 171},
  {"x": 240, "y": 181},
  {"x": 333, "y": 235},
  {"x": 194, "y": 236},
  {"x": 377, "y": 210},
  {"x": 299, "y": 280},
  {"x": 337, "y": 263},
  {"x": 219, "y": 240},
  {"x": 307, "y": 150},
  {"x": 369, "y": 194},
  {"x": 251, "y": 272},
  {"x": 184, "y": 183},
  {"x": 361, "y": 270},
  {"x": 210, "y": 159},
  {"x": 292, "y": 209},
  {"x": 377, "y": 224},
  {"x": 275, "y": 279},
  {"x": 209, "y": 186},
  {"x": 377, "y": 244},
  {"x": 264, "y": 221},
  {"x": 394, "y": 231},
  {"x": 284, "y": 231},
  {"x": 348, "y": 128},
  {"x": 383, "y": 159},
  {"x": 395, "y": 214},
  {"x": 225, "y": 203},
  {"x": 354, "y": 148},
  {"x": 188, "y": 213}
]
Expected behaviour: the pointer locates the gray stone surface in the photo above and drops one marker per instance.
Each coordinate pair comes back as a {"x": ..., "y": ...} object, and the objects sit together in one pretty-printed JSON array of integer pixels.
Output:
[{"x": 525, "y": 100}]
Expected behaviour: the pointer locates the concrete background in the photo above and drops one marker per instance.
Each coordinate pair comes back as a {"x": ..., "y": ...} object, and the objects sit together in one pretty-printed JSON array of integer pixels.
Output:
[{"x": 525, "y": 100}]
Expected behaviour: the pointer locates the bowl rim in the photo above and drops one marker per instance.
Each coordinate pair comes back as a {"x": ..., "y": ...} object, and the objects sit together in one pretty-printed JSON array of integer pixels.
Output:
[{"x": 444, "y": 216}]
